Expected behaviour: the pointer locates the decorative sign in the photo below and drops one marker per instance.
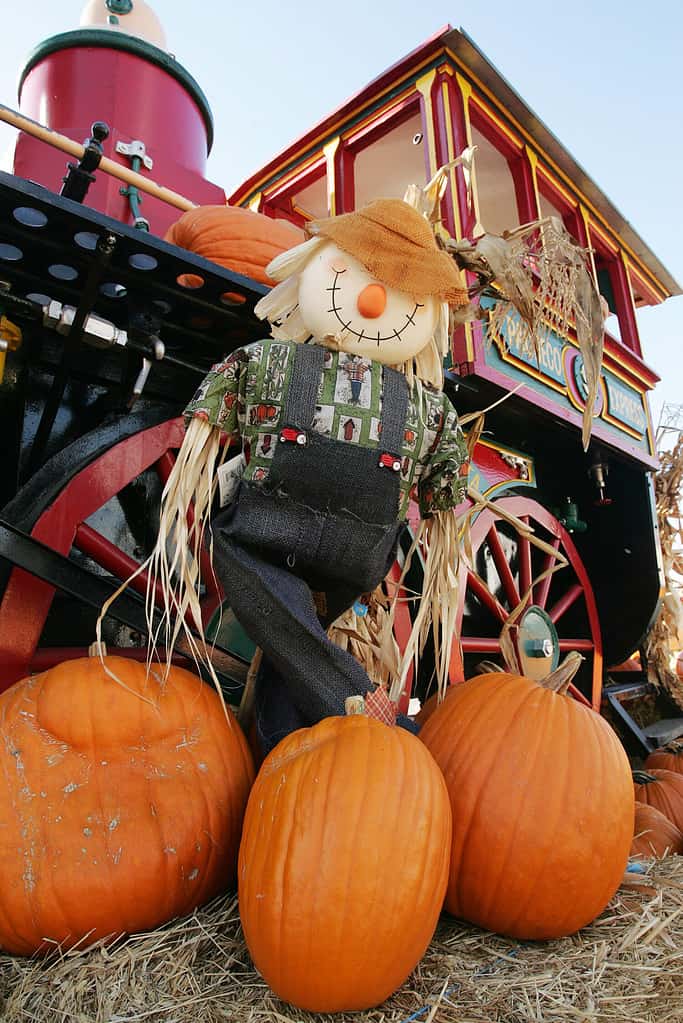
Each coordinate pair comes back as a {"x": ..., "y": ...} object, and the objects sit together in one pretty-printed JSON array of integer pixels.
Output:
[{"x": 559, "y": 373}]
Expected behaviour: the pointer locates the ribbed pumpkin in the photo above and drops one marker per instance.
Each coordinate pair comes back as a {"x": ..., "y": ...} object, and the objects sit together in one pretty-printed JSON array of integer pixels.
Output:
[
  {"x": 121, "y": 804},
  {"x": 663, "y": 790},
  {"x": 343, "y": 863},
  {"x": 667, "y": 758},
  {"x": 235, "y": 238},
  {"x": 654, "y": 834},
  {"x": 542, "y": 802}
]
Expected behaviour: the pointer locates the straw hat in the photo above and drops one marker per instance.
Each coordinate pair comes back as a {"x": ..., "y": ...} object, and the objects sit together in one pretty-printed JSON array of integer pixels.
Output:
[{"x": 397, "y": 246}]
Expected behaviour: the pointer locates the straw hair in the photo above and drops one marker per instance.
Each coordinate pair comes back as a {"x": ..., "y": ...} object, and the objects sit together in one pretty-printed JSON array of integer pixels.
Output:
[{"x": 174, "y": 564}]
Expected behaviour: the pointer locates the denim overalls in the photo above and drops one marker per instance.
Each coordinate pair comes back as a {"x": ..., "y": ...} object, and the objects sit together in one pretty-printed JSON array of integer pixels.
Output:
[{"x": 325, "y": 521}]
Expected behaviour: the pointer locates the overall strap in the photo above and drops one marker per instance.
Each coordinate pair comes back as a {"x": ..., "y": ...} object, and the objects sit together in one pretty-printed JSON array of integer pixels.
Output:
[
  {"x": 302, "y": 396},
  {"x": 394, "y": 411}
]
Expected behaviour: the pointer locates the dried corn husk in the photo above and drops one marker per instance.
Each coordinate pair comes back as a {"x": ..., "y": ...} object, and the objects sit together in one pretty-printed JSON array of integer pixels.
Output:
[{"x": 666, "y": 636}]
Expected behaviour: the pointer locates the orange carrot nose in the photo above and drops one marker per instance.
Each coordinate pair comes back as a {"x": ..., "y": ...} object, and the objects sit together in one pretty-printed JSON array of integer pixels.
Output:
[{"x": 372, "y": 301}]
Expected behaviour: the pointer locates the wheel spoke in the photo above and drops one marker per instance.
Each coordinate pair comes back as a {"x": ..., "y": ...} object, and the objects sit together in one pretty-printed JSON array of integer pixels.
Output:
[
  {"x": 502, "y": 567},
  {"x": 565, "y": 602},
  {"x": 106, "y": 554},
  {"x": 541, "y": 591},
  {"x": 480, "y": 645},
  {"x": 479, "y": 588},
  {"x": 587, "y": 645},
  {"x": 524, "y": 549}
]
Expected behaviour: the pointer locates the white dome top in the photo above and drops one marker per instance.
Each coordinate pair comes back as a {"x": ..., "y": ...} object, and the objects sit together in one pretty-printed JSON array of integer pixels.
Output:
[{"x": 133, "y": 17}]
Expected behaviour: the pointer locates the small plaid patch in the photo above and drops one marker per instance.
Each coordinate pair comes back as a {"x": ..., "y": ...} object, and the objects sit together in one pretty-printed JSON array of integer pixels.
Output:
[{"x": 378, "y": 705}]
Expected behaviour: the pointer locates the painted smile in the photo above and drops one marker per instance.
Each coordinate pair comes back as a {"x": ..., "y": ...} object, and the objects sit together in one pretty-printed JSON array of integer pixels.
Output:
[{"x": 360, "y": 335}]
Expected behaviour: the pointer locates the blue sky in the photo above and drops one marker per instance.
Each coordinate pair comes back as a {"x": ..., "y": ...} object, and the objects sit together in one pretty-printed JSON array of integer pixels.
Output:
[{"x": 605, "y": 78}]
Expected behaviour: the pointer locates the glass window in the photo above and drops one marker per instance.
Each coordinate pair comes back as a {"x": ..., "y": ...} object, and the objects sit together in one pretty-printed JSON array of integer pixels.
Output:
[
  {"x": 390, "y": 162},
  {"x": 311, "y": 202},
  {"x": 305, "y": 200},
  {"x": 495, "y": 186}
]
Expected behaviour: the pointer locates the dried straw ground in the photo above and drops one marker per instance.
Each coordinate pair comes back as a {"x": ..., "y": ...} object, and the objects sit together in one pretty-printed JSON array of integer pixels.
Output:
[{"x": 627, "y": 967}]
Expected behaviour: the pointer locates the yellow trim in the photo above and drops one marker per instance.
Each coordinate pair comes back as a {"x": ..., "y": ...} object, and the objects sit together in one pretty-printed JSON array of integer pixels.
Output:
[
  {"x": 329, "y": 151},
  {"x": 450, "y": 148},
  {"x": 632, "y": 269},
  {"x": 607, "y": 241},
  {"x": 466, "y": 91},
  {"x": 617, "y": 423},
  {"x": 501, "y": 449},
  {"x": 484, "y": 107},
  {"x": 532, "y": 157},
  {"x": 424, "y": 85},
  {"x": 552, "y": 180},
  {"x": 255, "y": 203}
]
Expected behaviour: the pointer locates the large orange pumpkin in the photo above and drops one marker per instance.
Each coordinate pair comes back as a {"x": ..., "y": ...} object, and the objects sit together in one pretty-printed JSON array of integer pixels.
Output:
[
  {"x": 654, "y": 834},
  {"x": 663, "y": 790},
  {"x": 235, "y": 238},
  {"x": 121, "y": 803},
  {"x": 343, "y": 863},
  {"x": 542, "y": 802}
]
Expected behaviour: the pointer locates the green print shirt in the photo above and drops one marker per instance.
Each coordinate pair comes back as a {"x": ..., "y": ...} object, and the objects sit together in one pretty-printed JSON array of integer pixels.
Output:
[{"x": 244, "y": 396}]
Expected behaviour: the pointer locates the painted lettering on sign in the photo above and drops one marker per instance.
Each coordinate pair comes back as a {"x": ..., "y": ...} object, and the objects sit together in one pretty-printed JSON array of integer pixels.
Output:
[
  {"x": 549, "y": 358},
  {"x": 560, "y": 362},
  {"x": 625, "y": 404}
]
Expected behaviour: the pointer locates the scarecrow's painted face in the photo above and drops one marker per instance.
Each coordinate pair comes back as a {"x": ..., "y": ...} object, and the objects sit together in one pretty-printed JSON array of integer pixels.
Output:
[{"x": 343, "y": 305}]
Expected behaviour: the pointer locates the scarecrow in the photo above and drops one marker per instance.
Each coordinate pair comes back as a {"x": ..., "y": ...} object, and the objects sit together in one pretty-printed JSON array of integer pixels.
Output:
[{"x": 314, "y": 519}]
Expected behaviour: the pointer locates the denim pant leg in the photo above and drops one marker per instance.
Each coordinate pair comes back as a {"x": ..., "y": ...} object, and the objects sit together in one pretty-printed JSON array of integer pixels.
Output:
[{"x": 277, "y": 611}]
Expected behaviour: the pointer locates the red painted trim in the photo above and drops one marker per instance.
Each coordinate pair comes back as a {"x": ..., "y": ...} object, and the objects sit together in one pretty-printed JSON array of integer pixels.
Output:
[{"x": 460, "y": 142}]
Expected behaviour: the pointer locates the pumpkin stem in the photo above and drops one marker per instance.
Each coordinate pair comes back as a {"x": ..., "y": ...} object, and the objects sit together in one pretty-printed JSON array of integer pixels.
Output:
[
  {"x": 558, "y": 681},
  {"x": 97, "y": 649},
  {"x": 354, "y": 705},
  {"x": 643, "y": 777}
]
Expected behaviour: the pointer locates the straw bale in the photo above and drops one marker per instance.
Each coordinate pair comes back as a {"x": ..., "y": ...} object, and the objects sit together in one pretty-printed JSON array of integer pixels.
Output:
[{"x": 627, "y": 966}]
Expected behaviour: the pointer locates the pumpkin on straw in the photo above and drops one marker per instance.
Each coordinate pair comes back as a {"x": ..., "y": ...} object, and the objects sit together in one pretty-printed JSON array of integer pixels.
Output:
[
  {"x": 343, "y": 862},
  {"x": 663, "y": 790},
  {"x": 121, "y": 803},
  {"x": 654, "y": 834},
  {"x": 542, "y": 802}
]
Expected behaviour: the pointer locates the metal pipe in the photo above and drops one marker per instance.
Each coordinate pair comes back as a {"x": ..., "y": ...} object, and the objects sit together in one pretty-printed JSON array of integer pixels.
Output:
[{"x": 67, "y": 145}]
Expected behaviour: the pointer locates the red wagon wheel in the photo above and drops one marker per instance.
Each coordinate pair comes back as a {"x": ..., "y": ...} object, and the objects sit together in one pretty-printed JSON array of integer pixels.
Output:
[
  {"x": 83, "y": 504},
  {"x": 562, "y": 605}
]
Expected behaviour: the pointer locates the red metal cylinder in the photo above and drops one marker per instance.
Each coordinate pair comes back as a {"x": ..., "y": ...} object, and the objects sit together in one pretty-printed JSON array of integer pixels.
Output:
[{"x": 142, "y": 94}]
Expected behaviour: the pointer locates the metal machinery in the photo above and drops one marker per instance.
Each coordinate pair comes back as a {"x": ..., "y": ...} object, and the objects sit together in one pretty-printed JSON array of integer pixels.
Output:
[{"x": 112, "y": 345}]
